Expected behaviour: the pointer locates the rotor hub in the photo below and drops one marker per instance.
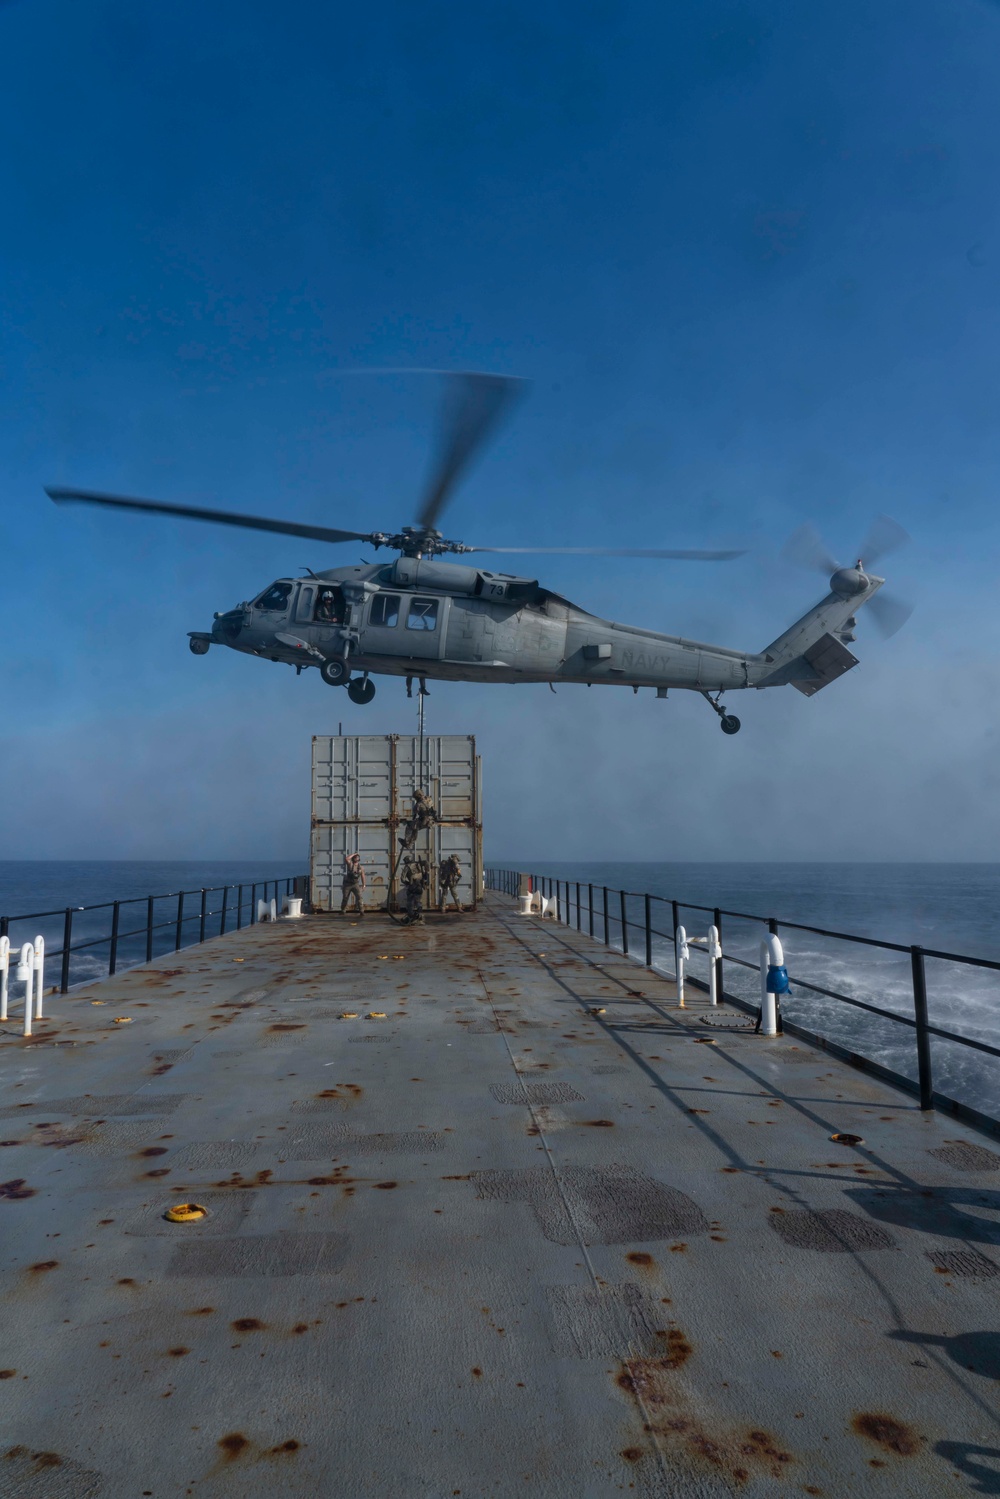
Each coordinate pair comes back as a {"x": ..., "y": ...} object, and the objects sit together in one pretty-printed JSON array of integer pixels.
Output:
[{"x": 848, "y": 581}]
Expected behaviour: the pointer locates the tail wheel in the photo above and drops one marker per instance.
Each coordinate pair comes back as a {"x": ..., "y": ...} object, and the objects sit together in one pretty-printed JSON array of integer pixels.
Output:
[
  {"x": 729, "y": 723},
  {"x": 361, "y": 691},
  {"x": 335, "y": 672}
]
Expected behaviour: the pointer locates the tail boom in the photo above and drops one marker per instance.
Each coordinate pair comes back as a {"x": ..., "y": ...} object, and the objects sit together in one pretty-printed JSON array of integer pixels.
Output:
[{"x": 813, "y": 652}]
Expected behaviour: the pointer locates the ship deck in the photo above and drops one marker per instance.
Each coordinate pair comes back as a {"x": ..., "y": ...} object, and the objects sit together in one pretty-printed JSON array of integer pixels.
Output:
[{"x": 566, "y": 1260}]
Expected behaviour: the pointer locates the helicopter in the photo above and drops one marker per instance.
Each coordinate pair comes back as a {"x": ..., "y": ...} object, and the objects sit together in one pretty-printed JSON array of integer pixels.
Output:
[{"x": 425, "y": 619}]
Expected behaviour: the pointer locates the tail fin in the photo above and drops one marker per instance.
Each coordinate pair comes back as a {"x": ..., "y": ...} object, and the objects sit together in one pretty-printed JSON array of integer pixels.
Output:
[{"x": 813, "y": 652}]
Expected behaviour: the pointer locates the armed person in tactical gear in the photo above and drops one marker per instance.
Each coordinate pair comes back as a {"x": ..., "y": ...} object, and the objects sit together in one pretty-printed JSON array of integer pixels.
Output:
[
  {"x": 424, "y": 815},
  {"x": 353, "y": 884},
  {"x": 414, "y": 879},
  {"x": 449, "y": 875}
]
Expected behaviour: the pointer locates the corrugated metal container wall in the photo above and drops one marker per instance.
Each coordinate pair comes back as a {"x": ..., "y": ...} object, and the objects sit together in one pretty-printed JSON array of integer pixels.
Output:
[{"x": 362, "y": 790}]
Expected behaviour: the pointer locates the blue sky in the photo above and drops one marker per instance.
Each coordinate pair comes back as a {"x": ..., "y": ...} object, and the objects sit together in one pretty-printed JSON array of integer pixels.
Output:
[{"x": 748, "y": 258}]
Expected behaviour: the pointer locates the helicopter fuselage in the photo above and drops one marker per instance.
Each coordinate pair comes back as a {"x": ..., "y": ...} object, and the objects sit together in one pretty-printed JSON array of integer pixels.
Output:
[{"x": 424, "y": 618}]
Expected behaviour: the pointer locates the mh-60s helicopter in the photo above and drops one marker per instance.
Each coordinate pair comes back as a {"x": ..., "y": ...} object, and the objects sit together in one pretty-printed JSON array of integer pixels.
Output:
[{"x": 421, "y": 618}]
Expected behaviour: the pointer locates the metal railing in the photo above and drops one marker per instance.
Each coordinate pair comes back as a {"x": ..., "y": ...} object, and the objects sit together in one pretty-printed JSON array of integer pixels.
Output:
[
  {"x": 131, "y": 945},
  {"x": 614, "y": 916}
]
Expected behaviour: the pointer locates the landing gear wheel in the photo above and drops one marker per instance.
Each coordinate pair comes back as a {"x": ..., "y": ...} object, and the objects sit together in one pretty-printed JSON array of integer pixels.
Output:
[
  {"x": 335, "y": 672},
  {"x": 361, "y": 690},
  {"x": 729, "y": 723}
]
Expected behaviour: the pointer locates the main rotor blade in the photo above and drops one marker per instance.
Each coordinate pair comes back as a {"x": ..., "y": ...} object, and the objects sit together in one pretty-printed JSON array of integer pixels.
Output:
[
  {"x": 806, "y": 548},
  {"x": 889, "y": 612},
  {"x": 473, "y": 405},
  {"x": 674, "y": 553},
  {"x": 190, "y": 512},
  {"x": 884, "y": 536}
]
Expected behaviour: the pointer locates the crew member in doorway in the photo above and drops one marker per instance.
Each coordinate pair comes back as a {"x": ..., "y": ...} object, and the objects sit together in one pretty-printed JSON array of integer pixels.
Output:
[
  {"x": 424, "y": 815},
  {"x": 449, "y": 875},
  {"x": 326, "y": 607},
  {"x": 414, "y": 879},
  {"x": 353, "y": 884}
]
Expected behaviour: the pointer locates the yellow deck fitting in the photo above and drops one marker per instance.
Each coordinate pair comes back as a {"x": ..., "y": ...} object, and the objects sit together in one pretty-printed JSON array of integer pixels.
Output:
[
  {"x": 842, "y": 1139},
  {"x": 376, "y": 1014},
  {"x": 186, "y": 1212},
  {"x": 98, "y": 1001},
  {"x": 349, "y": 1015},
  {"x": 123, "y": 1020}
]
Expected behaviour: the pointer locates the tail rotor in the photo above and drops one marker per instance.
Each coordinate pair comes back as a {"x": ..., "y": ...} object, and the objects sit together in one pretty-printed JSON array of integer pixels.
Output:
[{"x": 805, "y": 548}]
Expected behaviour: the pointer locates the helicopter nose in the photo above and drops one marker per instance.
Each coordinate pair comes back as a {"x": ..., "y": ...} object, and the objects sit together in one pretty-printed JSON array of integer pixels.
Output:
[{"x": 226, "y": 627}]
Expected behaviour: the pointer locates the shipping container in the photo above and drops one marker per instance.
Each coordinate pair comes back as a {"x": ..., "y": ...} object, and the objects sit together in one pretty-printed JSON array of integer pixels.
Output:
[{"x": 362, "y": 791}]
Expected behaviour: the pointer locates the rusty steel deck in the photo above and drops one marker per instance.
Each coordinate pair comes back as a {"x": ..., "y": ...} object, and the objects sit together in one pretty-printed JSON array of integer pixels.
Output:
[{"x": 534, "y": 1232}]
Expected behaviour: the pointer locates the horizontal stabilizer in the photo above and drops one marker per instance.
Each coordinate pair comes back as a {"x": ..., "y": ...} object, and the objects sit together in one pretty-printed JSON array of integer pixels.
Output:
[
  {"x": 823, "y": 662},
  {"x": 827, "y": 660}
]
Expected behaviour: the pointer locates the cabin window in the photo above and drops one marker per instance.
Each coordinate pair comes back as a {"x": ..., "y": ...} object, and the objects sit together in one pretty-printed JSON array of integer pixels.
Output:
[
  {"x": 384, "y": 610},
  {"x": 275, "y": 599},
  {"x": 330, "y": 606},
  {"x": 423, "y": 614}
]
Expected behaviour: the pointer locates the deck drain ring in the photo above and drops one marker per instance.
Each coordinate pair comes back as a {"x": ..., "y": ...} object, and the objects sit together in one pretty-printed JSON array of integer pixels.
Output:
[
  {"x": 186, "y": 1212},
  {"x": 730, "y": 1022},
  {"x": 842, "y": 1139}
]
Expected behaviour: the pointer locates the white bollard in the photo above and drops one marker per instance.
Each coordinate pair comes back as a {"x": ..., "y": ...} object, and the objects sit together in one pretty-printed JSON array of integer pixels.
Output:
[
  {"x": 4, "y": 974},
  {"x": 773, "y": 981},
  {"x": 714, "y": 953},
  {"x": 525, "y": 902},
  {"x": 262, "y": 910},
  {"x": 274, "y": 909},
  {"x": 25, "y": 974},
  {"x": 293, "y": 907},
  {"x": 39, "y": 975},
  {"x": 681, "y": 954}
]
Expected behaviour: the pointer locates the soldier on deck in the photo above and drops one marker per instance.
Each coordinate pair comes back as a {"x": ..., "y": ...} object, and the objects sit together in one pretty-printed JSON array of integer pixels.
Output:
[
  {"x": 424, "y": 815},
  {"x": 414, "y": 879},
  {"x": 353, "y": 884},
  {"x": 449, "y": 875}
]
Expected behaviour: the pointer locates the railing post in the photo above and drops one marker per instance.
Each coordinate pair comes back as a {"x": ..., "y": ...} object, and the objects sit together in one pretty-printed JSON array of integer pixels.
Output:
[
  {"x": 719, "y": 981},
  {"x": 607, "y": 935},
  {"x": 591, "y": 890},
  {"x": 239, "y": 908},
  {"x": 204, "y": 908},
  {"x": 113, "y": 955},
  {"x": 676, "y": 917},
  {"x": 222, "y": 918},
  {"x": 67, "y": 943},
  {"x": 924, "y": 1072},
  {"x": 149, "y": 929},
  {"x": 180, "y": 921},
  {"x": 621, "y": 897},
  {"x": 579, "y": 912},
  {"x": 649, "y": 931},
  {"x": 253, "y": 904}
]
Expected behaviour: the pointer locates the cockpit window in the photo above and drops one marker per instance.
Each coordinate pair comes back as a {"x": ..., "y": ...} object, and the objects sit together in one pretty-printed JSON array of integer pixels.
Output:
[
  {"x": 423, "y": 614},
  {"x": 275, "y": 598}
]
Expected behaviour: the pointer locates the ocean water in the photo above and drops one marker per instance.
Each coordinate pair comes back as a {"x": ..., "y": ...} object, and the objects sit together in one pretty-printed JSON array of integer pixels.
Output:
[
  {"x": 31, "y": 887},
  {"x": 953, "y": 908}
]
